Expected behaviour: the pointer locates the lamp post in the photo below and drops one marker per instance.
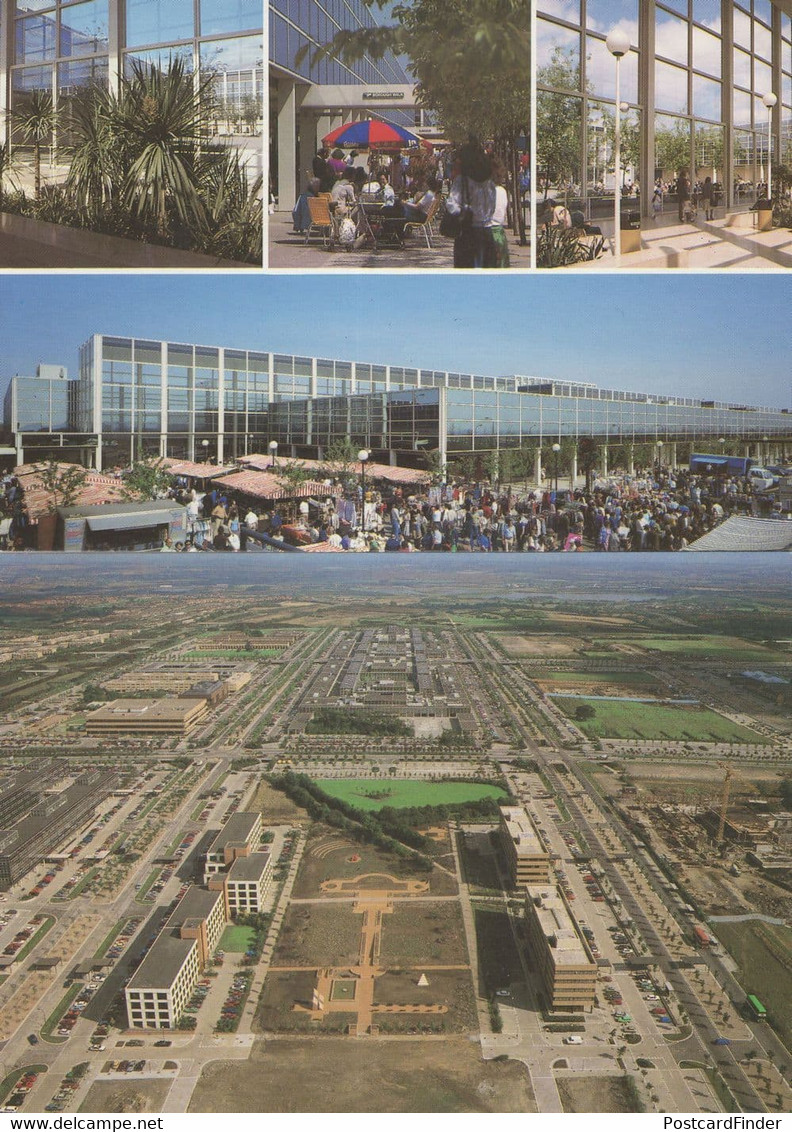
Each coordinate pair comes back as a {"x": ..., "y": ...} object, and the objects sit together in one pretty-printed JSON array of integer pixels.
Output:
[
  {"x": 273, "y": 447},
  {"x": 556, "y": 450},
  {"x": 205, "y": 446},
  {"x": 363, "y": 455},
  {"x": 618, "y": 43},
  {"x": 769, "y": 100}
]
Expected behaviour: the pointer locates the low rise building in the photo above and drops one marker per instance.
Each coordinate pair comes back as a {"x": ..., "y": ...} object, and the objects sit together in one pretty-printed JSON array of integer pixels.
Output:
[
  {"x": 239, "y": 837},
  {"x": 559, "y": 953},
  {"x": 162, "y": 986},
  {"x": 528, "y": 860},
  {"x": 168, "y": 716},
  {"x": 247, "y": 883}
]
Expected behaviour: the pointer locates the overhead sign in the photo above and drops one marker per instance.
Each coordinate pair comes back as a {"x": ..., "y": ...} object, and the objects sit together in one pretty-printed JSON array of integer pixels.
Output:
[{"x": 380, "y": 96}]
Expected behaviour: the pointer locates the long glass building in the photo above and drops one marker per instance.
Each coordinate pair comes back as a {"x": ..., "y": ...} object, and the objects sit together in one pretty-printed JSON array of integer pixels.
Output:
[
  {"x": 62, "y": 46},
  {"x": 136, "y": 397},
  {"x": 693, "y": 84},
  {"x": 311, "y": 95}
]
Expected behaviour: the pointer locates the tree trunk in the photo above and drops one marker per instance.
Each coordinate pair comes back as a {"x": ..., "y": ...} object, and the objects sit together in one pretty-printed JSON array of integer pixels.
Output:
[{"x": 37, "y": 174}]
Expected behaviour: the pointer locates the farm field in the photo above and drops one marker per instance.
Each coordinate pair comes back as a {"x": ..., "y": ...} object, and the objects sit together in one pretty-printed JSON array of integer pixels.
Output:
[
  {"x": 763, "y": 953},
  {"x": 368, "y": 795},
  {"x": 635, "y": 679},
  {"x": 616, "y": 719},
  {"x": 736, "y": 648}
]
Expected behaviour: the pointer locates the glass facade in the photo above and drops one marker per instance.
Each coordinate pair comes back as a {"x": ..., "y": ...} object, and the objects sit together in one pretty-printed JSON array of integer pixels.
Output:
[
  {"x": 693, "y": 83},
  {"x": 298, "y": 24},
  {"x": 63, "y": 46},
  {"x": 406, "y": 421},
  {"x": 38, "y": 404}
]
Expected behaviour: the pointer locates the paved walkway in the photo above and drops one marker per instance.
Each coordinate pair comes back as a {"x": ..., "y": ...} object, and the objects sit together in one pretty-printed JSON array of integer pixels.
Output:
[{"x": 287, "y": 250}]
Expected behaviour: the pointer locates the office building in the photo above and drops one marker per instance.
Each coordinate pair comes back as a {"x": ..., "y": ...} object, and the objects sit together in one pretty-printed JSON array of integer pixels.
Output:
[
  {"x": 310, "y": 96},
  {"x": 62, "y": 47},
  {"x": 147, "y": 717},
  {"x": 239, "y": 837},
  {"x": 559, "y": 954},
  {"x": 247, "y": 883},
  {"x": 163, "y": 984},
  {"x": 135, "y": 398},
  {"x": 693, "y": 83},
  {"x": 527, "y": 857}
]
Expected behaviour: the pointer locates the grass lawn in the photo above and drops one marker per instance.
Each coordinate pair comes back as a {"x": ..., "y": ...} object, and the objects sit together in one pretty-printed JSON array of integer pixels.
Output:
[
  {"x": 627, "y": 679},
  {"x": 237, "y": 937},
  {"x": 35, "y": 939},
  {"x": 763, "y": 952},
  {"x": 617, "y": 719},
  {"x": 367, "y": 794}
]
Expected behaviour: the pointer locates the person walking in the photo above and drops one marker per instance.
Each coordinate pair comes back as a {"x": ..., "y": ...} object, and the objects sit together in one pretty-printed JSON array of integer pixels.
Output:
[
  {"x": 683, "y": 193},
  {"x": 708, "y": 198},
  {"x": 473, "y": 199}
]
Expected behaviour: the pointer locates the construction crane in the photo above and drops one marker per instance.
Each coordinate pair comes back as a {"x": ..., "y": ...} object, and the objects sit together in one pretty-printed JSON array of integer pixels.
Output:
[{"x": 729, "y": 774}]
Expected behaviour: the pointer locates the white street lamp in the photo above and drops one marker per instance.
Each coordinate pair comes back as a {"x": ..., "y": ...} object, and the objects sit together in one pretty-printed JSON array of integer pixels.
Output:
[
  {"x": 769, "y": 100},
  {"x": 205, "y": 446},
  {"x": 556, "y": 450},
  {"x": 273, "y": 447},
  {"x": 363, "y": 455},
  {"x": 618, "y": 43}
]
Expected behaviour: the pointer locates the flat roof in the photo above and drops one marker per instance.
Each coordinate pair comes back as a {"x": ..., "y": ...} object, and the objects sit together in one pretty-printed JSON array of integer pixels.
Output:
[
  {"x": 168, "y": 709},
  {"x": 166, "y": 957},
  {"x": 249, "y": 868},
  {"x": 236, "y": 831},
  {"x": 196, "y": 904},
  {"x": 558, "y": 924},
  {"x": 522, "y": 831}
]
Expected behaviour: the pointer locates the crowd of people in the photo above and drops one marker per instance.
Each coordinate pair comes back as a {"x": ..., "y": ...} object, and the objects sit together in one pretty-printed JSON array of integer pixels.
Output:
[
  {"x": 376, "y": 191},
  {"x": 663, "y": 509}
]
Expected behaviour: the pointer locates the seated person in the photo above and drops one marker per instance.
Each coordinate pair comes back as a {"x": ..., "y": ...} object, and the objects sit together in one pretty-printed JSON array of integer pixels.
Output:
[
  {"x": 342, "y": 194},
  {"x": 385, "y": 191},
  {"x": 301, "y": 213},
  {"x": 579, "y": 221},
  {"x": 424, "y": 197},
  {"x": 555, "y": 215}
]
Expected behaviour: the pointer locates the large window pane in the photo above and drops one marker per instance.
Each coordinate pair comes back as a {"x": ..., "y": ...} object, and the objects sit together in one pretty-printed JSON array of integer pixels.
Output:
[
  {"x": 672, "y": 147},
  {"x": 84, "y": 28},
  {"x": 557, "y": 56},
  {"x": 707, "y": 12},
  {"x": 763, "y": 9},
  {"x": 742, "y": 29},
  {"x": 742, "y": 68},
  {"x": 671, "y": 88},
  {"x": 602, "y": 15},
  {"x": 742, "y": 108},
  {"x": 706, "y": 53},
  {"x": 564, "y": 9},
  {"x": 706, "y": 98},
  {"x": 35, "y": 39},
  {"x": 558, "y": 141},
  {"x": 671, "y": 37},
  {"x": 763, "y": 77},
  {"x": 709, "y": 152},
  {"x": 763, "y": 41},
  {"x": 158, "y": 21},
  {"x": 601, "y": 72},
  {"x": 219, "y": 17},
  {"x": 161, "y": 58}
]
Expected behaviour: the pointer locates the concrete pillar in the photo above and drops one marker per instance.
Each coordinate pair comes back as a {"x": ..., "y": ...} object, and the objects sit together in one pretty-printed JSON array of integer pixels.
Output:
[
  {"x": 672, "y": 456},
  {"x": 605, "y": 460},
  {"x": 747, "y": 451},
  {"x": 573, "y": 470},
  {"x": 538, "y": 467},
  {"x": 630, "y": 460},
  {"x": 287, "y": 141},
  {"x": 307, "y": 145}
]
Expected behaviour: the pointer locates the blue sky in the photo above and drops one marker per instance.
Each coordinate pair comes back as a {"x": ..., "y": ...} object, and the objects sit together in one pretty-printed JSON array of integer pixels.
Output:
[{"x": 709, "y": 336}]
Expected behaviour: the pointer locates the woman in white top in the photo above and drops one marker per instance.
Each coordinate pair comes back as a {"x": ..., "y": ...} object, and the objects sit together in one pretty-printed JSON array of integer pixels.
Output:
[
  {"x": 473, "y": 198},
  {"x": 497, "y": 254}
]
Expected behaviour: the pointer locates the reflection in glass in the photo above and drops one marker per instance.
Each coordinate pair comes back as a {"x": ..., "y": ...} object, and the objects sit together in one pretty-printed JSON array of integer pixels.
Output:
[
  {"x": 742, "y": 108},
  {"x": 161, "y": 58},
  {"x": 603, "y": 15},
  {"x": 84, "y": 28},
  {"x": 763, "y": 77},
  {"x": 601, "y": 71},
  {"x": 672, "y": 146},
  {"x": 742, "y": 29},
  {"x": 158, "y": 21},
  {"x": 708, "y": 12},
  {"x": 35, "y": 39},
  {"x": 709, "y": 152},
  {"x": 706, "y": 98},
  {"x": 763, "y": 41},
  {"x": 742, "y": 68},
  {"x": 671, "y": 37},
  {"x": 219, "y": 17},
  {"x": 558, "y": 55},
  {"x": 600, "y": 138},
  {"x": 564, "y": 9},
  {"x": 671, "y": 88},
  {"x": 763, "y": 9},
  {"x": 706, "y": 53},
  {"x": 558, "y": 118},
  {"x": 745, "y": 173}
]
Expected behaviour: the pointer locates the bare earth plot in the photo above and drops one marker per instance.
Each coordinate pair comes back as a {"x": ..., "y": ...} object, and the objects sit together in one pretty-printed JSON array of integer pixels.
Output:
[
  {"x": 594, "y": 1094},
  {"x": 275, "y": 807},
  {"x": 540, "y": 646},
  {"x": 126, "y": 1096},
  {"x": 341, "y": 1075}
]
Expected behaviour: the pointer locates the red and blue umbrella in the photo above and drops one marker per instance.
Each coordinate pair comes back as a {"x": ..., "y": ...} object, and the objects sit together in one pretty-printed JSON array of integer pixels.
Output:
[{"x": 372, "y": 134}]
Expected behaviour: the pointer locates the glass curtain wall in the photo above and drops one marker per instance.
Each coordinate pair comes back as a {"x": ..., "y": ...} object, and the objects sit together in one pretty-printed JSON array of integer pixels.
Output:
[
  {"x": 63, "y": 46},
  {"x": 693, "y": 84}
]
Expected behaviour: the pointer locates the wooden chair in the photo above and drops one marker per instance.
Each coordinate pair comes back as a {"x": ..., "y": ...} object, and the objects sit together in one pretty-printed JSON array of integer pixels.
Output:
[
  {"x": 425, "y": 225},
  {"x": 321, "y": 220}
]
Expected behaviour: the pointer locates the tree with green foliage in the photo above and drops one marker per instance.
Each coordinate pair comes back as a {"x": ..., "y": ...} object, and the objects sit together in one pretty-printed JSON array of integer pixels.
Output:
[
  {"x": 36, "y": 119},
  {"x": 147, "y": 479},
  {"x": 341, "y": 460},
  {"x": 585, "y": 711},
  {"x": 62, "y": 483},
  {"x": 8, "y": 168},
  {"x": 588, "y": 457},
  {"x": 292, "y": 476},
  {"x": 558, "y": 120},
  {"x": 672, "y": 147}
]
